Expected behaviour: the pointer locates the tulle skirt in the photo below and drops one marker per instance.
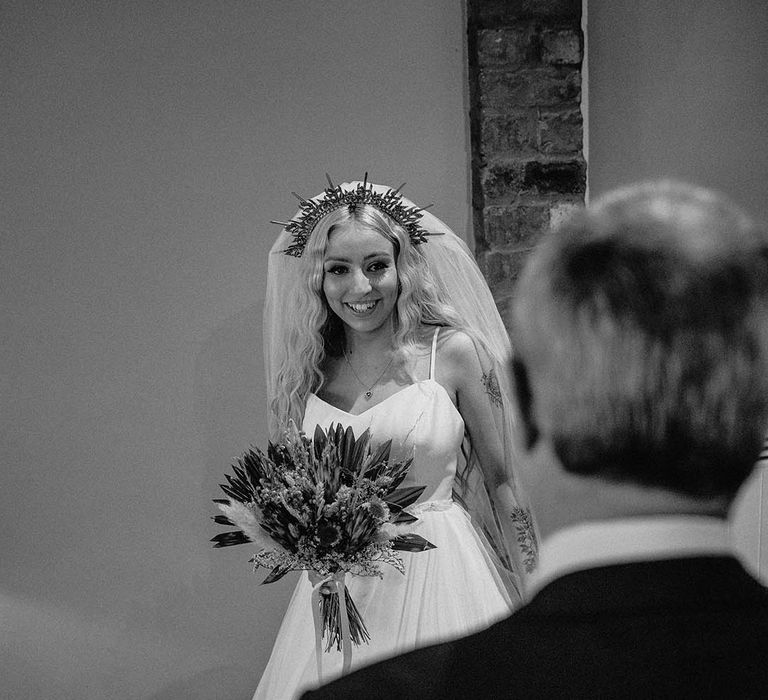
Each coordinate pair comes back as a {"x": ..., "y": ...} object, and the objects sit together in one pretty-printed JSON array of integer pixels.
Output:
[{"x": 447, "y": 592}]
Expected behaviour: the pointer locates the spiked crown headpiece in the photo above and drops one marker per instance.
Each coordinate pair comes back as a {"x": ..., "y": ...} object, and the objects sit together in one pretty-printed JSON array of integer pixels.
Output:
[{"x": 335, "y": 197}]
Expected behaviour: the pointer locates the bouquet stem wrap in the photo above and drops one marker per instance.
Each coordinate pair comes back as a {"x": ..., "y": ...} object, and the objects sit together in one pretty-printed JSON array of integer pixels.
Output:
[{"x": 334, "y": 610}]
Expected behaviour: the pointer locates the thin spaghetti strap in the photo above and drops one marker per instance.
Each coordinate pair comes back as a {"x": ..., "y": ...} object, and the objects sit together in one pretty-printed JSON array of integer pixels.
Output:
[{"x": 434, "y": 353}]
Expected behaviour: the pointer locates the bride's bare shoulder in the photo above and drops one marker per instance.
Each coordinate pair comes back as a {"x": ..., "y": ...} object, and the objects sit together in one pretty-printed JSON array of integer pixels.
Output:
[
  {"x": 446, "y": 335},
  {"x": 456, "y": 357},
  {"x": 453, "y": 343},
  {"x": 455, "y": 353}
]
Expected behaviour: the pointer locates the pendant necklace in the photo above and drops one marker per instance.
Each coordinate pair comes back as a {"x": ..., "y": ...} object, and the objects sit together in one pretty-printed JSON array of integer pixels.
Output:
[{"x": 368, "y": 389}]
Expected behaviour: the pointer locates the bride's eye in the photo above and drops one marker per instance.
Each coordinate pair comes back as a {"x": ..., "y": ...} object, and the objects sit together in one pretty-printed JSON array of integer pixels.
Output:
[
  {"x": 378, "y": 266},
  {"x": 336, "y": 269}
]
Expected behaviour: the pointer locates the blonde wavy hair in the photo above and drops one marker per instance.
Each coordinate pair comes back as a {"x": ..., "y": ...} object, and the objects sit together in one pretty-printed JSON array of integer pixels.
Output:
[{"x": 316, "y": 333}]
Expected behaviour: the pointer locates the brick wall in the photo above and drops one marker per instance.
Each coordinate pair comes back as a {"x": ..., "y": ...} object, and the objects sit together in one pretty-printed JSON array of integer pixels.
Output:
[{"x": 528, "y": 168}]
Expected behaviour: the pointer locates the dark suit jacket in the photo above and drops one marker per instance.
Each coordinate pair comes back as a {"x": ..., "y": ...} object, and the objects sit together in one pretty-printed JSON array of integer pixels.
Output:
[{"x": 679, "y": 628}]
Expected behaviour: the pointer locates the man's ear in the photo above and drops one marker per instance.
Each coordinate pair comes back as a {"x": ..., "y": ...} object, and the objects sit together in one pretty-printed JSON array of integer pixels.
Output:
[{"x": 524, "y": 396}]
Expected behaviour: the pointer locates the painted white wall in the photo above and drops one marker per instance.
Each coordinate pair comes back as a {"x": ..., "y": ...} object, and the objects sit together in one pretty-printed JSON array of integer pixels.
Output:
[
  {"x": 145, "y": 146},
  {"x": 680, "y": 89}
]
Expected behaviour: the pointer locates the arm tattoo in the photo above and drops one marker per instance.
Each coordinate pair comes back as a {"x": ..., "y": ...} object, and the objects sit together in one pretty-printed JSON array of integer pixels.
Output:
[
  {"x": 491, "y": 384},
  {"x": 526, "y": 536}
]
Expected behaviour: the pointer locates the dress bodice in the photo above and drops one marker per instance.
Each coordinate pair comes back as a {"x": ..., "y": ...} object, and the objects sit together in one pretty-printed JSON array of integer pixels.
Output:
[{"x": 420, "y": 417}]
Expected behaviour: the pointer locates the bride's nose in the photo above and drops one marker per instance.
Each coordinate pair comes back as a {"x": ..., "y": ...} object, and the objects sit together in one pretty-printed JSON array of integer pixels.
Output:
[{"x": 360, "y": 282}]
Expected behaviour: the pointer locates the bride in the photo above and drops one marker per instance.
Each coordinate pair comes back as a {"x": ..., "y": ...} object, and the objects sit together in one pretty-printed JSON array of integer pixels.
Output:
[{"x": 378, "y": 318}]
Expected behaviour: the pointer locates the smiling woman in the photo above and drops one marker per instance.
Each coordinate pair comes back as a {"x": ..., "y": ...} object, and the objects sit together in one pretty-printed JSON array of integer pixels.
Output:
[
  {"x": 360, "y": 278},
  {"x": 377, "y": 318}
]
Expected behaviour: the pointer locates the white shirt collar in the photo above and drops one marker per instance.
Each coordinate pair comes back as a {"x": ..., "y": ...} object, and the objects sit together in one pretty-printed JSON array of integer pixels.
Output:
[{"x": 602, "y": 543}]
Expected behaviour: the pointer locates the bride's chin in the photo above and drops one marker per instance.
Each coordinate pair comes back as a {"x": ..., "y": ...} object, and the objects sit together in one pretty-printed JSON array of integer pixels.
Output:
[{"x": 370, "y": 324}]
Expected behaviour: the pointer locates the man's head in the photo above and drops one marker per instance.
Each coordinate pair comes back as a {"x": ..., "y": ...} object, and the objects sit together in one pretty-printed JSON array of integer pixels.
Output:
[{"x": 640, "y": 330}]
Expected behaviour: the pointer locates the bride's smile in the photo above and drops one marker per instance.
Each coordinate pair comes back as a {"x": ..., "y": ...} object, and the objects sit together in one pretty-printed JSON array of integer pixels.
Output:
[{"x": 361, "y": 307}]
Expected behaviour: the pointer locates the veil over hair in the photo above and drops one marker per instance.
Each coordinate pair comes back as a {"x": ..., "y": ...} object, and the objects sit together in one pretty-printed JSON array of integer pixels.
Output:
[{"x": 462, "y": 287}]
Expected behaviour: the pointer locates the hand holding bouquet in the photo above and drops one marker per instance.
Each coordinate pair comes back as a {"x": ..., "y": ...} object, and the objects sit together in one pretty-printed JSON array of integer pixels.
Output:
[{"x": 331, "y": 505}]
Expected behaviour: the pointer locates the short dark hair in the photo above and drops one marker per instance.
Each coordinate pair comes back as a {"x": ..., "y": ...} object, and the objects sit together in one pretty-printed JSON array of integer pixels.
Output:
[{"x": 642, "y": 324}]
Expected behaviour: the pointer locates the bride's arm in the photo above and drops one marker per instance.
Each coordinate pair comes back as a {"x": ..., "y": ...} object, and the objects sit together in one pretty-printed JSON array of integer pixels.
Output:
[
  {"x": 480, "y": 399},
  {"x": 461, "y": 373}
]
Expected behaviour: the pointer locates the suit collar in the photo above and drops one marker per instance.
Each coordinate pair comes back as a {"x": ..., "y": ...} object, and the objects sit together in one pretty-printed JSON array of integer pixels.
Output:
[
  {"x": 672, "y": 585},
  {"x": 610, "y": 542}
]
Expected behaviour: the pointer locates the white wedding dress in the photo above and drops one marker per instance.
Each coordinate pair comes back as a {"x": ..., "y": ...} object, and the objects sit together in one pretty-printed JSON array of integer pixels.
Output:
[{"x": 446, "y": 592}]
